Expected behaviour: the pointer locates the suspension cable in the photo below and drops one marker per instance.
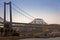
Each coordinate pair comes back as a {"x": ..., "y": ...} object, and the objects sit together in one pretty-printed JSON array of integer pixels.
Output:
[
  {"x": 21, "y": 13},
  {"x": 22, "y": 10}
]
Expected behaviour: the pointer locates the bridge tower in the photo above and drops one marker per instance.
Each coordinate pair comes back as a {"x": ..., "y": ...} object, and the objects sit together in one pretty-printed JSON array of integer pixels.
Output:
[{"x": 10, "y": 9}]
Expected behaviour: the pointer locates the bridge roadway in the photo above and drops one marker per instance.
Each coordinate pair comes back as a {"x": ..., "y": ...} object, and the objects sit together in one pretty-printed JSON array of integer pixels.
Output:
[{"x": 16, "y": 24}]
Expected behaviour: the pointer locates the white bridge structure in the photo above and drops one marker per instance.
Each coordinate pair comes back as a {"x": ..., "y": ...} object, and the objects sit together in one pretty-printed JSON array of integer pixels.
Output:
[{"x": 38, "y": 21}]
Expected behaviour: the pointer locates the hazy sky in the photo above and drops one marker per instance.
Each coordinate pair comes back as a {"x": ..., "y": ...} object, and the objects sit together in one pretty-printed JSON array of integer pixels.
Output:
[{"x": 48, "y": 10}]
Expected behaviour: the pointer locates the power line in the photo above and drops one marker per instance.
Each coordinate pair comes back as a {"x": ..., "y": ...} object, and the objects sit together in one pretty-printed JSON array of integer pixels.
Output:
[
  {"x": 22, "y": 14},
  {"x": 22, "y": 10}
]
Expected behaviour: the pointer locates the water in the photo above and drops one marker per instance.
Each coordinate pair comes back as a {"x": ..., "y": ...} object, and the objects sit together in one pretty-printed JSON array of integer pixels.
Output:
[{"x": 57, "y": 38}]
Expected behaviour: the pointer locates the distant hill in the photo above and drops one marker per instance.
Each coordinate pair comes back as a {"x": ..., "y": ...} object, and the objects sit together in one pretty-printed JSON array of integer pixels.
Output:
[
  {"x": 1, "y": 19},
  {"x": 38, "y": 21}
]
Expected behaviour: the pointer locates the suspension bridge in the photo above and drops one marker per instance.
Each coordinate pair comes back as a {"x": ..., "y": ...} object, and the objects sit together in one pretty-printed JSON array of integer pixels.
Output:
[{"x": 18, "y": 10}]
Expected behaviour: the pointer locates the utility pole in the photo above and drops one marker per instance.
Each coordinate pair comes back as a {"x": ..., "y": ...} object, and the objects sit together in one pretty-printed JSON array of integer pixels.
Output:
[{"x": 10, "y": 7}]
